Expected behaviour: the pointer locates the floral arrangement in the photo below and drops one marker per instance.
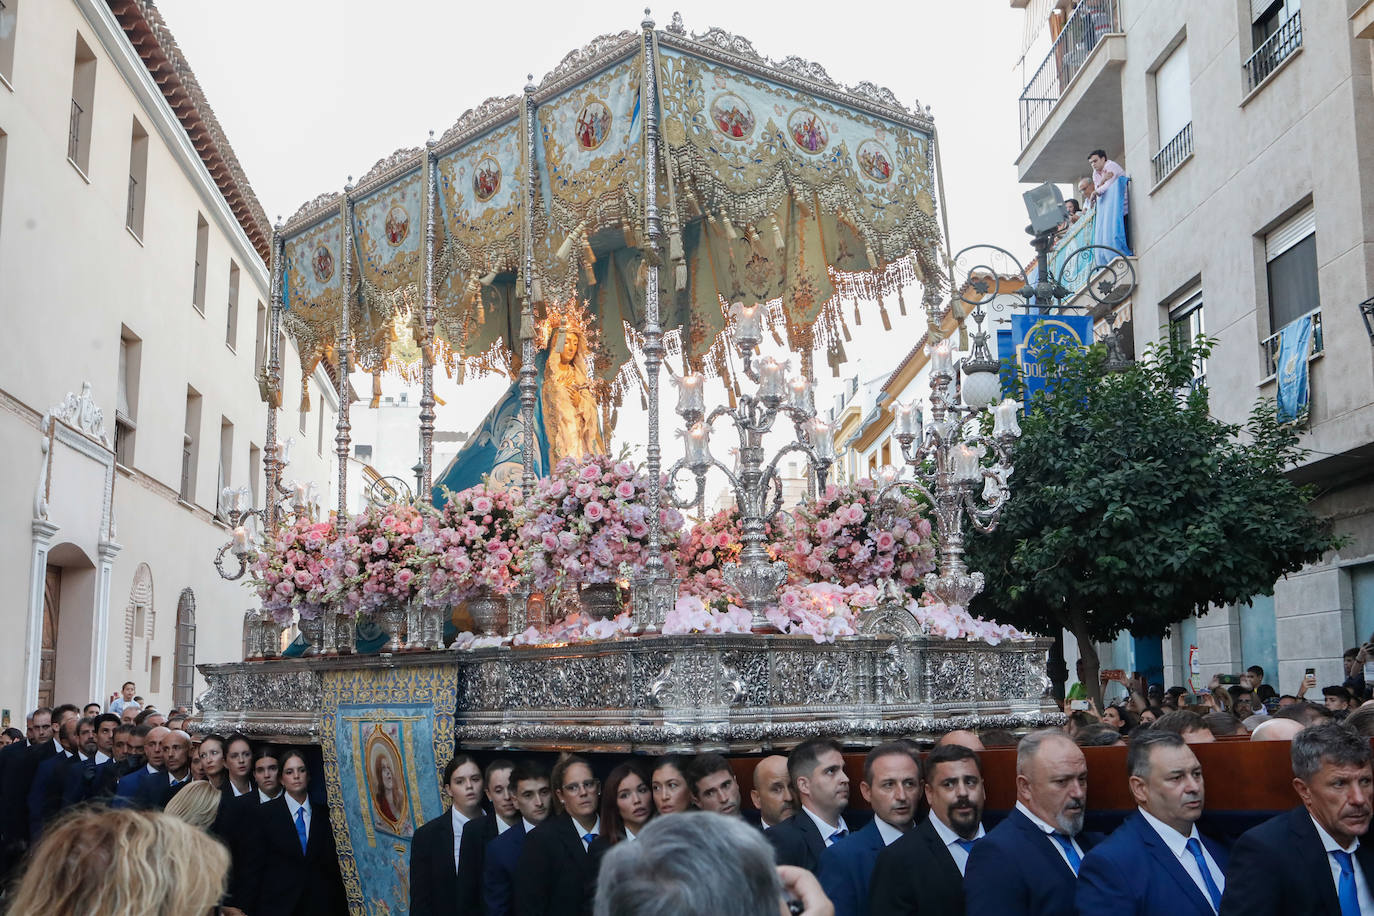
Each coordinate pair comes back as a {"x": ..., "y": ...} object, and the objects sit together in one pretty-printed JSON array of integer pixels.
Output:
[
  {"x": 589, "y": 523},
  {"x": 821, "y": 610},
  {"x": 707, "y": 548},
  {"x": 383, "y": 555},
  {"x": 955, "y": 622},
  {"x": 293, "y": 572},
  {"x": 845, "y": 536},
  {"x": 476, "y": 545},
  {"x": 693, "y": 615}
]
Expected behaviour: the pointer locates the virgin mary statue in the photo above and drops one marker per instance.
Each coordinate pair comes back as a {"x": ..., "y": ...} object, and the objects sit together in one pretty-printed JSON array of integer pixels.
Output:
[{"x": 571, "y": 418}]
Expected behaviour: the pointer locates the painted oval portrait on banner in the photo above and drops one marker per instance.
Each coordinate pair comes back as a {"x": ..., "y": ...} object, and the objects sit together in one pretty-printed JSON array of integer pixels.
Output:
[
  {"x": 397, "y": 225},
  {"x": 486, "y": 179},
  {"x": 387, "y": 785},
  {"x": 732, "y": 116},
  {"x": 323, "y": 263},
  {"x": 593, "y": 124},
  {"x": 808, "y": 130},
  {"x": 875, "y": 161}
]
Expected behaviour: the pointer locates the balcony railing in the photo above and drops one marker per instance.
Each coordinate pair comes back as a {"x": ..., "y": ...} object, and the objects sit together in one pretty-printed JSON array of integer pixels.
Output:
[
  {"x": 1275, "y": 50},
  {"x": 1070, "y": 51},
  {"x": 1172, "y": 154},
  {"x": 131, "y": 218},
  {"x": 1270, "y": 345},
  {"x": 74, "y": 132}
]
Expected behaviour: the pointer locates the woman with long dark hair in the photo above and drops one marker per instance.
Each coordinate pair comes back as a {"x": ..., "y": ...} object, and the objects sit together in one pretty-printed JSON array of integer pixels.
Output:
[{"x": 627, "y": 804}]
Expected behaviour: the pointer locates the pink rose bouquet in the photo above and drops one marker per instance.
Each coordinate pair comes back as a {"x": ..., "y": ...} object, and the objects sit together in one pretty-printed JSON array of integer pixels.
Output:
[
  {"x": 589, "y": 523},
  {"x": 707, "y": 548},
  {"x": 294, "y": 570},
  {"x": 846, "y": 536},
  {"x": 476, "y": 545},
  {"x": 954, "y": 622},
  {"x": 821, "y": 610},
  {"x": 383, "y": 555}
]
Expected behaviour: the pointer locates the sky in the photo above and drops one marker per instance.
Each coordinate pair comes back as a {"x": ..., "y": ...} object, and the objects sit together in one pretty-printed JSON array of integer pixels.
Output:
[{"x": 310, "y": 92}]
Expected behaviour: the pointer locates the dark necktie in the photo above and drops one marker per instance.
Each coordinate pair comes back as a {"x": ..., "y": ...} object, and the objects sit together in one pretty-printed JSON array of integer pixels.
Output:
[
  {"x": 1075, "y": 859},
  {"x": 1345, "y": 887},
  {"x": 1212, "y": 890}
]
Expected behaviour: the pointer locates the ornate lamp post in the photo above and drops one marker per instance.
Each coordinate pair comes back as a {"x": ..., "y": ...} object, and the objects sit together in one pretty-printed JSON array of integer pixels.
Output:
[{"x": 755, "y": 576}]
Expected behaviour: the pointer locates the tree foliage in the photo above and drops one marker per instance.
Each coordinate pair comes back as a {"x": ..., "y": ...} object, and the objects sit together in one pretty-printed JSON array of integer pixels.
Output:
[{"x": 1132, "y": 508}]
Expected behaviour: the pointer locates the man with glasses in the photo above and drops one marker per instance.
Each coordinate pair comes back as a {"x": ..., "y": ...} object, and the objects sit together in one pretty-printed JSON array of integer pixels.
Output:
[{"x": 556, "y": 875}]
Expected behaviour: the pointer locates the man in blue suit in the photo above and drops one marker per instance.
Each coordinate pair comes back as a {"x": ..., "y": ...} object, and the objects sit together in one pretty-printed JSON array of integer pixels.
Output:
[
  {"x": 1156, "y": 862},
  {"x": 129, "y": 787},
  {"x": 1028, "y": 864},
  {"x": 891, "y": 785},
  {"x": 530, "y": 786}
]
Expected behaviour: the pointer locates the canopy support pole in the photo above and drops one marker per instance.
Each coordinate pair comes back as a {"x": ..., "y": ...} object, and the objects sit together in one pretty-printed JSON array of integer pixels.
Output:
[
  {"x": 343, "y": 357},
  {"x": 427, "y": 401}
]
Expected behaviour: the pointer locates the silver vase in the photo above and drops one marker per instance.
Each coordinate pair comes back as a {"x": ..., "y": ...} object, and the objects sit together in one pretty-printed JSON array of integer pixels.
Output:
[
  {"x": 600, "y": 600},
  {"x": 415, "y": 629},
  {"x": 312, "y": 628},
  {"x": 432, "y": 618},
  {"x": 489, "y": 611},
  {"x": 392, "y": 619}
]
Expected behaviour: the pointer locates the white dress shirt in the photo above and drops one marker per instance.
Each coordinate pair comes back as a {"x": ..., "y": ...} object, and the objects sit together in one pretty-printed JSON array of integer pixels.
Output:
[
  {"x": 825, "y": 829},
  {"x": 1330, "y": 845},
  {"x": 101, "y": 757},
  {"x": 502, "y": 825},
  {"x": 264, "y": 798},
  {"x": 1178, "y": 845},
  {"x": 292, "y": 806},
  {"x": 235, "y": 788},
  {"x": 1058, "y": 847},
  {"x": 951, "y": 840},
  {"x": 889, "y": 833},
  {"x": 459, "y": 823},
  {"x": 528, "y": 825},
  {"x": 630, "y": 834},
  {"x": 582, "y": 835}
]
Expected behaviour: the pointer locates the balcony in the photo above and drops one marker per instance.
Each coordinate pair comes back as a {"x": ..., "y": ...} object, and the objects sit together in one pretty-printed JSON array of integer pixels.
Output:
[
  {"x": 1277, "y": 48},
  {"x": 1072, "y": 104},
  {"x": 1270, "y": 345},
  {"x": 1173, "y": 154}
]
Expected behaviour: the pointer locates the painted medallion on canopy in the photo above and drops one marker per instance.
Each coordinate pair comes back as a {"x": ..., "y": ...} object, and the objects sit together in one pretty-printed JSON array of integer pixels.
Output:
[
  {"x": 397, "y": 225},
  {"x": 875, "y": 161},
  {"x": 486, "y": 179},
  {"x": 808, "y": 130},
  {"x": 593, "y": 124},
  {"x": 732, "y": 116},
  {"x": 323, "y": 262}
]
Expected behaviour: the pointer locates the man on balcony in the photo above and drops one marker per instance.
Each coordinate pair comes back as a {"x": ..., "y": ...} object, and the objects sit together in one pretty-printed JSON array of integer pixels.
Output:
[{"x": 1105, "y": 171}]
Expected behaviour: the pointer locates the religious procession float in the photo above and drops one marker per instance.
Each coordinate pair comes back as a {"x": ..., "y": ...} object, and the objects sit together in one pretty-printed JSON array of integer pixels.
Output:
[{"x": 648, "y": 214}]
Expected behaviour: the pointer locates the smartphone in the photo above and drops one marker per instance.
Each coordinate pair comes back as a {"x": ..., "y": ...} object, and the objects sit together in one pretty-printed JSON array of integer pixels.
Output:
[
  {"x": 1078, "y": 705},
  {"x": 1113, "y": 674},
  {"x": 1229, "y": 680},
  {"x": 1311, "y": 674},
  {"x": 1189, "y": 699}
]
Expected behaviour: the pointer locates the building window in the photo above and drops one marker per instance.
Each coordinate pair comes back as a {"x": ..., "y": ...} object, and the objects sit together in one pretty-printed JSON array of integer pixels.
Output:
[
  {"x": 1186, "y": 326},
  {"x": 9, "y": 11},
  {"x": 362, "y": 452},
  {"x": 319, "y": 430},
  {"x": 139, "y": 617},
  {"x": 202, "y": 253},
  {"x": 1173, "y": 113},
  {"x": 155, "y": 674},
  {"x": 184, "y": 679},
  {"x": 126, "y": 404},
  {"x": 189, "y": 445},
  {"x": 1290, "y": 254},
  {"x": 260, "y": 342},
  {"x": 231, "y": 331},
  {"x": 226, "y": 457},
  {"x": 1276, "y": 33},
  {"x": 138, "y": 179},
  {"x": 82, "y": 103}
]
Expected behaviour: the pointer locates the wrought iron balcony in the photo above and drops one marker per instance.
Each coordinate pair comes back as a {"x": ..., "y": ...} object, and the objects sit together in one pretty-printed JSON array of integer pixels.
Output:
[
  {"x": 1071, "y": 49},
  {"x": 74, "y": 132},
  {"x": 1173, "y": 153},
  {"x": 1275, "y": 50},
  {"x": 1270, "y": 345}
]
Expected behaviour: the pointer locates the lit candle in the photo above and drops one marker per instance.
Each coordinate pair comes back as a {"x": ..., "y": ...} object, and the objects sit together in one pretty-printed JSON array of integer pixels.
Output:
[
  {"x": 909, "y": 420},
  {"x": 691, "y": 394},
  {"x": 749, "y": 324},
  {"x": 964, "y": 463},
  {"x": 822, "y": 440},
  {"x": 799, "y": 395},
  {"x": 995, "y": 486},
  {"x": 240, "y": 541},
  {"x": 285, "y": 455},
  {"x": 942, "y": 359},
  {"x": 242, "y": 499},
  {"x": 302, "y": 498},
  {"x": 887, "y": 474},
  {"x": 698, "y": 440},
  {"x": 772, "y": 380},
  {"x": 1004, "y": 421}
]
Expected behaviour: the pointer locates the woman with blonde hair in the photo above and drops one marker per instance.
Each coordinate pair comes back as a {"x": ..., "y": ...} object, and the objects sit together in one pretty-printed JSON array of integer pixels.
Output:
[
  {"x": 121, "y": 862},
  {"x": 196, "y": 803}
]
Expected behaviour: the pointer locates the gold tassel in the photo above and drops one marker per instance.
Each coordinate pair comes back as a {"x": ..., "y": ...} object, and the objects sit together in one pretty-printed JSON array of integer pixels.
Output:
[
  {"x": 963, "y": 338},
  {"x": 777, "y": 338},
  {"x": 730, "y": 396},
  {"x": 587, "y": 254},
  {"x": 882, "y": 312},
  {"x": 901, "y": 303},
  {"x": 537, "y": 290},
  {"x": 489, "y": 278},
  {"x": 376, "y": 391},
  {"x": 778, "y": 242},
  {"x": 844, "y": 329},
  {"x": 565, "y": 249},
  {"x": 872, "y": 258},
  {"x": 675, "y": 245},
  {"x": 858, "y": 321},
  {"x": 526, "y": 326},
  {"x": 462, "y": 367},
  {"x": 681, "y": 275},
  {"x": 730, "y": 232},
  {"x": 642, "y": 275},
  {"x": 305, "y": 394},
  {"x": 752, "y": 235}
]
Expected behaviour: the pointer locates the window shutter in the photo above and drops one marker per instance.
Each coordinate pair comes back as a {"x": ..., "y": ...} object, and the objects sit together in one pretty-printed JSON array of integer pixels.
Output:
[
  {"x": 1289, "y": 233},
  {"x": 1259, "y": 7},
  {"x": 1172, "y": 103},
  {"x": 122, "y": 404}
]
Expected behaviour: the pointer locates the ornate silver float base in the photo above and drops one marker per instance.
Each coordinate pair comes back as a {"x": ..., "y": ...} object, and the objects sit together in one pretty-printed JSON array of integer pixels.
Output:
[{"x": 740, "y": 693}]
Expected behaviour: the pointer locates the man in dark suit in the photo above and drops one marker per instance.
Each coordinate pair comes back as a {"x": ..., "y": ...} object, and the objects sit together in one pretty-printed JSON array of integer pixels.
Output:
[
  {"x": 1311, "y": 861},
  {"x": 713, "y": 785},
  {"x": 530, "y": 783},
  {"x": 1028, "y": 864},
  {"x": 435, "y": 850},
  {"x": 892, "y": 786},
  {"x": 772, "y": 791},
  {"x": 923, "y": 872},
  {"x": 17, "y": 765},
  {"x": 93, "y": 752},
  {"x": 477, "y": 836},
  {"x": 236, "y": 823},
  {"x": 294, "y": 869},
  {"x": 50, "y": 778},
  {"x": 556, "y": 874},
  {"x": 157, "y": 790},
  {"x": 1157, "y": 861},
  {"x": 816, "y": 768},
  {"x": 129, "y": 787}
]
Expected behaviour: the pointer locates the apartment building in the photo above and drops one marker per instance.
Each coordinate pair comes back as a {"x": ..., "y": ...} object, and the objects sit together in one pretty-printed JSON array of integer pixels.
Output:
[
  {"x": 134, "y": 294},
  {"x": 1247, "y": 129}
]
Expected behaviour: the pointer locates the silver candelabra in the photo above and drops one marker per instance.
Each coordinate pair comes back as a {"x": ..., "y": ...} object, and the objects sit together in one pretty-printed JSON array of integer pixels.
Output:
[
  {"x": 755, "y": 575},
  {"x": 246, "y": 521}
]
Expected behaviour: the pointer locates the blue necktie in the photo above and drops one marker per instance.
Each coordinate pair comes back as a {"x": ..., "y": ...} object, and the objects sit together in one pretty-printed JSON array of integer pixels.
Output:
[
  {"x": 1212, "y": 890},
  {"x": 967, "y": 845},
  {"x": 1075, "y": 859},
  {"x": 1345, "y": 888},
  {"x": 837, "y": 836},
  {"x": 588, "y": 837},
  {"x": 300, "y": 826}
]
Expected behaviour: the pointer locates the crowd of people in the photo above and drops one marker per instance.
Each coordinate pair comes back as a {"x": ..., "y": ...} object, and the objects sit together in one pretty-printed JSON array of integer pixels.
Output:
[{"x": 217, "y": 824}]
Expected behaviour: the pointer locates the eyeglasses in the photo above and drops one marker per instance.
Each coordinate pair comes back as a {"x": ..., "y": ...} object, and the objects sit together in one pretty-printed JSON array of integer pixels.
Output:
[{"x": 586, "y": 785}]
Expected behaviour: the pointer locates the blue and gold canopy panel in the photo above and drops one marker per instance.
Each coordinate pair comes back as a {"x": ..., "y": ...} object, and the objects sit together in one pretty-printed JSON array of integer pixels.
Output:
[{"x": 775, "y": 184}]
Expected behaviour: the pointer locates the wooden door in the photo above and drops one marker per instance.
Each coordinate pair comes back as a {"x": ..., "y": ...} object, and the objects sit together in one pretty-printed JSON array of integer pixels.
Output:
[{"x": 47, "y": 659}]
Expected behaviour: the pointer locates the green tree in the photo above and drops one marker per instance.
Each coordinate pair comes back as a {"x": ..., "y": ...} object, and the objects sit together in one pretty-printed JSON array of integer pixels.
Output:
[{"x": 1132, "y": 508}]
